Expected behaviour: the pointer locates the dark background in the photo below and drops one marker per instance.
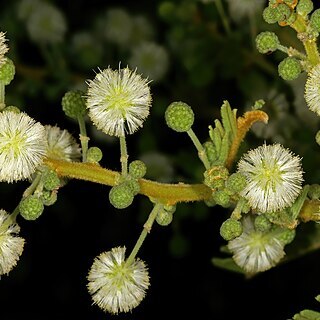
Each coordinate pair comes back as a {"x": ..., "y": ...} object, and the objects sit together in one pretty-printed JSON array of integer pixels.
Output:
[{"x": 49, "y": 281}]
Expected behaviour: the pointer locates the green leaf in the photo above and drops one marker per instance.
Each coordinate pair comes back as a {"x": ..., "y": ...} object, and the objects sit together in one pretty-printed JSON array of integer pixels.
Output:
[
  {"x": 227, "y": 264},
  {"x": 307, "y": 315}
]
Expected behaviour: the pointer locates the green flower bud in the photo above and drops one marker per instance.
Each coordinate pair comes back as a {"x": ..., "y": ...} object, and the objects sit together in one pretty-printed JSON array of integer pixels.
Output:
[
  {"x": 121, "y": 196},
  {"x": 284, "y": 12},
  {"x": 211, "y": 151},
  {"x": 236, "y": 182},
  {"x": 31, "y": 207},
  {"x": 170, "y": 208},
  {"x": 137, "y": 169},
  {"x": 270, "y": 15},
  {"x": 267, "y": 42},
  {"x": 94, "y": 154},
  {"x": 215, "y": 177},
  {"x": 210, "y": 202},
  {"x": 12, "y": 109},
  {"x": 222, "y": 198},
  {"x": 50, "y": 180},
  {"x": 314, "y": 192},
  {"x": 315, "y": 20},
  {"x": 48, "y": 198},
  {"x": 230, "y": 229},
  {"x": 318, "y": 137},
  {"x": 74, "y": 104},
  {"x": 164, "y": 218},
  {"x": 304, "y": 7},
  {"x": 287, "y": 236},
  {"x": 245, "y": 206},
  {"x": 289, "y": 68},
  {"x": 133, "y": 185},
  {"x": 179, "y": 116},
  {"x": 292, "y": 18},
  {"x": 262, "y": 223},
  {"x": 7, "y": 71}
]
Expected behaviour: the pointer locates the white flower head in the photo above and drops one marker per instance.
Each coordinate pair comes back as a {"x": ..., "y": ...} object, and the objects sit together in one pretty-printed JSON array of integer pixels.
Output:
[
  {"x": 255, "y": 251},
  {"x": 274, "y": 177},
  {"x": 312, "y": 90},
  {"x": 3, "y": 48},
  {"x": 11, "y": 246},
  {"x": 61, "y": 145},
  {"x": 116, "y": 286},
  {"x": 118, "y": 101},
  {"x": 22, "y": 146}
]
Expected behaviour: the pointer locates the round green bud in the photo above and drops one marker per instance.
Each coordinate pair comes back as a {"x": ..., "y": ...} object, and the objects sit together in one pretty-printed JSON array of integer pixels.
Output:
[
  {"x": 50, "y": 180},
  {"x": 121, "y": 196},
  {"x": 292, "y": 18},
  {"x": 170, "y": 208},
  {"x": 164, "y": 218},
  {"x": 179, "y": 116},
  {"x": 210, "y": 202},
  {"x": 231, "y": 229},
  {"x": 133, "y": 185},
  {"x": 289, "y": 68},
  {"x": 137, "y": 169},
  {"x": 270, "y": 15},
  {"x": 31, "y": 207},
  {"x": 222, "y": 198},
  {"x": 287, "y": 236},
  {"x": 74, "y": 104},
  {"x": 284, "y": 12},
  {"x": 12, "y": 109},
  {"x": 315, "y": 20},
  {"x": 318, "y": 137},
  {"x": 215, "y": 177},
  {"x": 304, "y": 7},
  {"x": 48, "y": 198},
  {"x": 267, "y": 42},
  {"x": 236, "y": 182},
  {"x": 94, "y": 155},
  {"x": 314, "y": 192},
  {"x": 262, "y": 223},
  {"x": 210, "y": 150},
  {"x": 7, "y": 71},
  {"x": 245, "y": 206}
]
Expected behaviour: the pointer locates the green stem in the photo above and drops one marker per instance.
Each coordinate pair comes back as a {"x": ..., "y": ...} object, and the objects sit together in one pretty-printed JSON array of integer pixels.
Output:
[
  {"x": 168, "y": 193},
  {"x": 123, "y": 156},
  {"x": 33, "y": 186},
  {"x": 2, "y": 95},
  {"x": 223, "y": 16},
  {"x": 84, "y": 139},
  {"x": 146, "y": 229},
  {"x": 201, "y": 152},
  {"x": 312, "y": 52}
]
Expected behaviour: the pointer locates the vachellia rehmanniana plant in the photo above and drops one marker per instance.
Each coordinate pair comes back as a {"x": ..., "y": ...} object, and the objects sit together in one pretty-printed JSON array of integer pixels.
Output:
[{"x": 264, "y": 190}]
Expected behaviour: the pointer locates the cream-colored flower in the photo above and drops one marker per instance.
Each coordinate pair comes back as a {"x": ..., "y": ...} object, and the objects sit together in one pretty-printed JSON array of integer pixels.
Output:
[
  {"x": 61, "y": 145},
  {"x": 3, "y": 48},
  {"x": 118, "y": 101},
  {"x": 256, "y": 251},
  {"x": 115, "y": 285},
  {"x": 274, "y": 177},
  {"x": 312, "y": 90},
  {"x": 22, "y": 146},
  {"x": 11, "y": 246}
]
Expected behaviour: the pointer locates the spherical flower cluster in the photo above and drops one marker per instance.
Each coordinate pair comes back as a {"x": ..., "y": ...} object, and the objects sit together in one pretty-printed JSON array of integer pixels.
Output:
[
  {"x": 256, "y": 251},
  {"x": 22, "y": 146},
  {"x": 312, "y": 90},
  {"x": 274, "y": 177},
  {"x": 115, "y": 285},
  {"x": 61, "y": 145},
  {"x": 11, "y": 246},
  {"x": 3, "y": 48},
  {"x": 118, "y": 101}
]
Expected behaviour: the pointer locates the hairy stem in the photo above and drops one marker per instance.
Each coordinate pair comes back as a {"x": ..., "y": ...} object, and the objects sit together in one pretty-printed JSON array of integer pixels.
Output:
[
  {"x": 123, "y": 156},
  {"x": 84, "y": 139}
]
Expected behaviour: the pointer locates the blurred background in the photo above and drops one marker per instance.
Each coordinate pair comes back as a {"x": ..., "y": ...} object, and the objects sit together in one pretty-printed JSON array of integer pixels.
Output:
[{"x": 194, "y": 52}]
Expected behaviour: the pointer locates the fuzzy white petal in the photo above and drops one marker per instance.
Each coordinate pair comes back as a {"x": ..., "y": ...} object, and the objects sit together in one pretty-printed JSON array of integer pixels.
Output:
[
  {"x": 312, "y": 90},
  {"x": 3, "y": 48},
  {"x": 22, "y": 146},
  {"x": 274, "y": 177},
  {"x": 115, "y": 286},
  {"x": 118, "y": 101},
  {"x": 11, "y": 246}
]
